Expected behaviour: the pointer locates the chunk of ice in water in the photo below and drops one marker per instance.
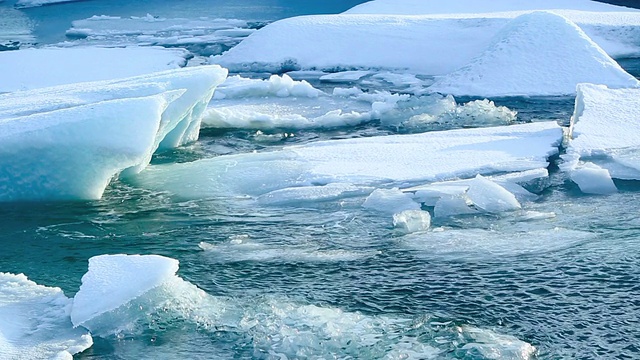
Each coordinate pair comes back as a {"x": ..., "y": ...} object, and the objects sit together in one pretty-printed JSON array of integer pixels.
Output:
[
  {"x": 592, "y": 179},
  {"x": 410, "y": 221},
  {"x": 491, "y": 197},
  {"x": 390, "y": 201}
]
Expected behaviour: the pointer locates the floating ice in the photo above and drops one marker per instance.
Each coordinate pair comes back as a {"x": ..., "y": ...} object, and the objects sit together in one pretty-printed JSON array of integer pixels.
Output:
[
  {"x": 592, "y": 179},
  {"x": 203, "y": 36},
  {"x": 399, "y": 160},
  {"x": 68, "y": 142},
  {"x": 311, "y": 194},
  {"x": 35, "y": 3},
  {"x": 280, "y": 86},
  {"x": 344, "y": 76},
  {"x": 35, "y": 322},
  {"x": 604, "y": 131},
  {"x": 410, "y": 221},
  {"x": 525, "y": 59},
  {"x": 114, "y": 280},
  {"x": 491, "y": 197},
  {"x": 37, "y": 68},
  {"x": 390, "y": 201}
]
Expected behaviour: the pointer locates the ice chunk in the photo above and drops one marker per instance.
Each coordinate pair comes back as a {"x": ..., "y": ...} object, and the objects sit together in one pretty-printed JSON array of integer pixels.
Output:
[
  {"x": 518, "y": 62},
  {"x": 410, "y": 221},
  {"x": 68, "y": 142},
  {"x": 35, "y": 3},
  {"x": 344, "y": 76},
  {"x": 35, "y": 322},
  {"x": 398, "y": 159},
  {"x": 311, "y": 194},
  {"x": 491, "y": 197},
  {"x": 453, "y": 205},
  {"x": 592, "y": 179},
  {"x": 280, "y": 86},
  {"x": 114, "y": 280},
  {"x": 390, "y": 201},
  {"x": 37, "y": 68},
  {"x": 604, "y": 131}
]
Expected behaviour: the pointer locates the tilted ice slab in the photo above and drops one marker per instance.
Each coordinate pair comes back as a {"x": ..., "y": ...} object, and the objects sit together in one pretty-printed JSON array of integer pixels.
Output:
[
  {"x": 68, "y": 142},
  {"x": 400, "y": 160},
  {"x": 35, "y": 322},
  {"x": 205, "y": 36},
  {"x": 525, "y": 58},
  {"x": 36, "y": 68},
  {"x": 432, "y": 44},
  {"x": 604, "y": 136},
  {"x": 114, "y": 280}
]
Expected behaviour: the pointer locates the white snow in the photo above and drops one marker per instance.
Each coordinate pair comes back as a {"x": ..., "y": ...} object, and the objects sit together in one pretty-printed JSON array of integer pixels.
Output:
[
  {"x": 390, "y": 201},
  {"x": 36, "y": 68},
  {"x": 604, "y": 131},
  {"x": 35, "y": 3},
  {"x": 68, "y": 142},
  {"x": 419, "y": 7},
  {"x": 400, "y": 159},
  {"x": 525, "y": 59},
  {"x": 35, "y": 322},
  {"x": 114, "y": 280},
  {"x": 428, "y": 44}
]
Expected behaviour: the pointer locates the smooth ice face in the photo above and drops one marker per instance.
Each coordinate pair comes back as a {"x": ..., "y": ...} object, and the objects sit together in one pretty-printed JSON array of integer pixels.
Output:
[
  {"x": 527, "y": 57},
  {"x": 35, "y": 322},
  {"x": 604, "y": 131},
  {"x": 68, "y": 142},
  {"x": 491, "y": 197},
  {"x": 114, "y": 280},
  {"x": 411, "y": 221},
  {"x": 390, "y": 201},
  {"x": 593, "y": 179},
  {"x": 37, "y": 68},
  {"x": 401, "y": 160}
]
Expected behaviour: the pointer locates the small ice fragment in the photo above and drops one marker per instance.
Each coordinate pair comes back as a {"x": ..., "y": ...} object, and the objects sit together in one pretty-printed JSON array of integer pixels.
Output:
[
  {"x": 411, "y": 221},
  {"x": 491, "y": 197},
  {"x": 592, "y": 179}
]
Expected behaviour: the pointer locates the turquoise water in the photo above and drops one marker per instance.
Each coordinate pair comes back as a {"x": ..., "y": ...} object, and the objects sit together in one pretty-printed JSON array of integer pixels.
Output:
[{"x": 286, "y": 280}]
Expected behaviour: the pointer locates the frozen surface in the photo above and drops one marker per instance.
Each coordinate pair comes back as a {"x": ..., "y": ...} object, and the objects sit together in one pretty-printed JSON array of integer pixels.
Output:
[
  {"x": 399, "y": 160},
  {"x": 605, "y": 128},
  {"x": 311, "y": 194},
  {"x": 525, "y": 58},
  {"x": 36, "y": 68},
  {"x": 410, "y": 221},
  {"x": 35, "y": 322},
  {"x": 204, "y": 36},
  {"x": 431, "y": 44},
  {"x": 34, "y": 3},
  {"x": 68, "y": 142},
  {"x": 390, "y": 201},
  {"x": 593, "y": 179},
  {"x": 114, "y": 280},
  {"x": 280, "y": 86}
]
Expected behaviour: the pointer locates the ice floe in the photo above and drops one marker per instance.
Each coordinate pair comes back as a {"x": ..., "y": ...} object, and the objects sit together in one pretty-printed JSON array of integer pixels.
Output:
[
  {"x": 35, "y": 3},
  {"x": 524, "y": 59},
  {"x": 603, "y": 140},
  {"x": 411, "y": 221},
  {"x": 35, "y": 322},
  {"x": 390, "y": 201},
  {"x": 399, "y": 160},
  {"x": 36, "y": 68},
  {"x": 203, "y": 36},
  {"x": 68, "y": 142},
  {"x": 114, "y": 280}
]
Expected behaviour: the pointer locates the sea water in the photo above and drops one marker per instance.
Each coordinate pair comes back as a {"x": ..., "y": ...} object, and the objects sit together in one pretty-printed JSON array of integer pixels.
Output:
[{"x": 330, "y": 279}]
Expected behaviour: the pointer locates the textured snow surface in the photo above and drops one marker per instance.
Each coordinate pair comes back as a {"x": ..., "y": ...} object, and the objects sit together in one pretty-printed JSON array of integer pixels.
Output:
[
  {"x": 525, "y": 59},
  {"x": 35, "y": 323},
  {"x": 114, "y": 280},
  {"x": 399, "y": 159},
  {"x": 68, "y": 142},
  {"x": 604, "y": 131},
  {"x": 36, "y": 68}
]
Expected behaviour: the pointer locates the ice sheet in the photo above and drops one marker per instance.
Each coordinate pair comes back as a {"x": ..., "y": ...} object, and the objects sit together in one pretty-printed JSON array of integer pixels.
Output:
[
  {"x": 37, "y": 68},
  {"x": 35, "y": 3},
  {"x": 525, "y": 58},
  {"x": 604, "y": 131},
  {"x": 35, "y": 322},
  {"x": 401, "y": 160}
]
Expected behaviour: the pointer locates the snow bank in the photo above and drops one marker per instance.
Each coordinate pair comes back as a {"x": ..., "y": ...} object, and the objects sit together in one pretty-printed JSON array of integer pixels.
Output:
[
  {"x": 35, "y": 322},
  {"x": 399, "y": 160},
  {"x": 419, "y": 7},
  {"x": 36, "y": 68},
  {"x": 114, "y": 280},
  {"x": 525, "y": 58},
  {"x": 604, "y": 136},
  {"x": 204, "y": 36},
  {"x": 68, "y": 142}
]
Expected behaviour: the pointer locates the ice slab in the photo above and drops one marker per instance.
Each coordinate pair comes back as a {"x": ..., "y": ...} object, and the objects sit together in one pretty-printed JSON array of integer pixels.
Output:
[
  {"x": 35, "y": 322},
  {"x": 114, "y": 280},
  {"x": 592, "y": 179},
  {"x": 525, "y": 58},
  {"x": 37, "y": 68},
  {"x": 35, "y": 3},
  {"x": 604, "y": 131},
  {"x": 398, "y": 160},
  {"x": 281, "y": 86},
  {"x": 90, "y": 132},
  {"x": 411, "y": 221},
  {"x": 202, "y": 36},
  {"x": 312, "y": 194},
  {"x": 390, "y": 201}
]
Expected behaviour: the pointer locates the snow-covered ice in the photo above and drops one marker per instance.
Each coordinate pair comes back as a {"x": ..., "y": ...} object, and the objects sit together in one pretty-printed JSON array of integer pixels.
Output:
[
  {"x": 36, "y": 68},
  {"x": 399, "y": 160},
  {"x": 35, "y": 323},
  {"x": 604, "y": 140},
  {"x": 68, "y": 142},
  {"x": 114, "y": 280},
  {"x": 525, "y": 59}
]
